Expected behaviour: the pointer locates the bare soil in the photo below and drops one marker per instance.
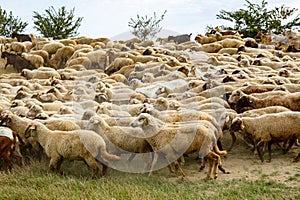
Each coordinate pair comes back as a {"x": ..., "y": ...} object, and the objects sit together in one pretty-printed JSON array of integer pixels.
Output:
[{"x": 242, "y": 163}]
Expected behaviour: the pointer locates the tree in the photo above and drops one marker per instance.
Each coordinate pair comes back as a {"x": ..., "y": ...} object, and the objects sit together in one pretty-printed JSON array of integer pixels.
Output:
[
  {"x": 10, "y": 24},
  {"x": 57, "y": 24},
  {"x": 145, "y": 27},
  {"x": 258, "y": 18}
]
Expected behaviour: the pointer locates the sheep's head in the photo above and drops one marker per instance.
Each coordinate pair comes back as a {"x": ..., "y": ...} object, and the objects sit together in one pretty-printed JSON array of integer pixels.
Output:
[
  {"x": 20, "y": 95},
  {"x": 235, "y": 96},
  {"x": 143, "y": 120},
  {"x": 244, "y": 103},
  {"x": 6, "y": 117},
  {"x": 34, "y": 111},
  {"x": 30, "y": 131},
  {"x": 161, "y": 103},
  {"x": 100, "y": 97},
  {"x": 237, "y": 125}
]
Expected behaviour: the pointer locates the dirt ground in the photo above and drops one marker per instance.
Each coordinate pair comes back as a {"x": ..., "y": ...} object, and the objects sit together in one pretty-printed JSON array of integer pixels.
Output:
[{"x": 242, "y": 163}]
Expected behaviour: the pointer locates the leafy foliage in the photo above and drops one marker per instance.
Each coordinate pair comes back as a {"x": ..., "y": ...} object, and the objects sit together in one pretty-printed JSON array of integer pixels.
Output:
[
  {"x": 145, "y": 27},
  {"x": 258, "y": 18},
  {"x": 57, "y": 24},
  {"x": 10, "y": 24}
]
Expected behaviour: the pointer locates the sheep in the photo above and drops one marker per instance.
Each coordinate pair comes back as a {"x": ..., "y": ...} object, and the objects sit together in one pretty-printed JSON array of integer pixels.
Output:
[
  {"x": 6, "y": 149},
  {"x": 213, "y": 47},
  {"x": 36, "y": 60},
  {"x": 178, "y": 39},
  {"x": 116, "y": 135},
  {"x": 19, "y": 63},
  {"x": 203, "y": 39},
  {"x": 21, "y": 37},
  {"x": 62, "y": 55},
  {"x": 72, "y": 145},
  {"x": 18, "y": 47},
  {"x": 18, "y": 125},
  {"x": 263, "y": 130},
  {"x": 60, "y": 124},
  {"x": 15, "y": 148},
  {"x": 52, "y": 47},
  {"x": 171, "y": 141},
  {"x": 250, "y": 113},
  {"x": 290, "y": 101},
  {"x": 40, "y": 74}
]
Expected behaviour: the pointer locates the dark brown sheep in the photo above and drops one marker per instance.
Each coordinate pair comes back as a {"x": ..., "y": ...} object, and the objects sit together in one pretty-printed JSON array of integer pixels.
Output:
[{"x": 17, "y": 61}]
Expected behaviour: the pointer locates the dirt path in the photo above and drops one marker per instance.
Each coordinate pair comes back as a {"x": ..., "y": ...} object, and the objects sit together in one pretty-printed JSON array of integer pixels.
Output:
[{"x": 241, "y": 163}]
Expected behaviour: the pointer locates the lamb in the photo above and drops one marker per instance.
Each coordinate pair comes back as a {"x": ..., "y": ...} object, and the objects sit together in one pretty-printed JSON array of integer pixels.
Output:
[
  {"x": 263, "y": 130},
  {"x": 72, "y": 145},
  {"x": 172, "y": 141}
]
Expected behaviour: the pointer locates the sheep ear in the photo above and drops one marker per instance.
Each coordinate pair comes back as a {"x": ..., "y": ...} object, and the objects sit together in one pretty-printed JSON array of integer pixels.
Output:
[{"x": 227, "y": 119}]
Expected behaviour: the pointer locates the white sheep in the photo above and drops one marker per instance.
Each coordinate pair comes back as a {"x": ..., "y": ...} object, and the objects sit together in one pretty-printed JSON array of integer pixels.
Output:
[
  {"x": 34, "y": 59},
  {"x": 119, "y": 139},
  {"x": 72, "y": 145},
  {"x": 40, "y": 74},
  {"x": 264, "y": 131},
  {"x": 172, "y": 141}
]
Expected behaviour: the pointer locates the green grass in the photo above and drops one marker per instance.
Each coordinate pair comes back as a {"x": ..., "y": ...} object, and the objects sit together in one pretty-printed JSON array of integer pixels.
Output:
[{"x": 38, "y": 182}]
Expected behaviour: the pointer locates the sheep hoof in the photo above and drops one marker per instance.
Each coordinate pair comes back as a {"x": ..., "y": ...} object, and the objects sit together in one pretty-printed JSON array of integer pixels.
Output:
[
  {"x": 268, "y": 161},
  {"x": 201, "y": 168}
]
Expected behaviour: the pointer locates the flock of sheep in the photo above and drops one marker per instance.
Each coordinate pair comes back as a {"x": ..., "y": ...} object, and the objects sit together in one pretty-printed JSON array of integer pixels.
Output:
[{"x": 113, "y": 102}]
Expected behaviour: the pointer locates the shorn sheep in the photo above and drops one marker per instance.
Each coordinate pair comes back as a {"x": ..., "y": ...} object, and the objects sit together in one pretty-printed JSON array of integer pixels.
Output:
[
  {"x": 171, "y": 141},
  {"x": 264, "y": 131},
  {"x": 72, "y": 145}
]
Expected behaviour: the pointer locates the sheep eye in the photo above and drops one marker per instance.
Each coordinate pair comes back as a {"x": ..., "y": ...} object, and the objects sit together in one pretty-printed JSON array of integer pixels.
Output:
[{"x": 141, "y": 119}]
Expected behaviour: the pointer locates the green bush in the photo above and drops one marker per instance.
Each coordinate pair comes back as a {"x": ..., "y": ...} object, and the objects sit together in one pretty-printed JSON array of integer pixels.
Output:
[
  {"x": 10, "y": 24},
  {"x": 57, "y": 24},
  {"x": 257, "y": 18}
]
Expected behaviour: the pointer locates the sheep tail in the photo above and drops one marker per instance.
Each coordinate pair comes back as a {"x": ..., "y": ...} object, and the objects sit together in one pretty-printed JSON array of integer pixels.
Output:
[
  {"x": 219, "y": 152},
  {"x": 107, "y": 156}
]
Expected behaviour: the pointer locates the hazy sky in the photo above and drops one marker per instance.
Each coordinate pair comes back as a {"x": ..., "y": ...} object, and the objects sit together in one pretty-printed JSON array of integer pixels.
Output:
[{"x": 108, "y": 18}]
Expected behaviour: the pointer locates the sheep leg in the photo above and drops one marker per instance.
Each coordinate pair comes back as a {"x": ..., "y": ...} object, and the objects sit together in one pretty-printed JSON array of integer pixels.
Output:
[
  {"x": 53, "y": 162},
  {"x": 131, "y": 157},
  {"x": 155, "y": 158},
  {"x": 8, "y": 161},
  {"x": 297, "y": 158},
  {"x": 202, "y": 164},
  {"x": 18, "y": 157},
  {"x": 209, "y": 172},
  {"x": 269, "y": 150},
  {"x": 92, "y": 163},
  {"x": 177, "y": 165},
  {"x": 290, "y": 142},
  {"x": 104, "y": 169},
  {"x": 233, "y": 136},
  {"x": 259, "y": 152}
]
